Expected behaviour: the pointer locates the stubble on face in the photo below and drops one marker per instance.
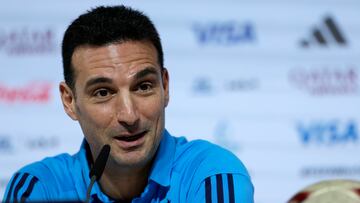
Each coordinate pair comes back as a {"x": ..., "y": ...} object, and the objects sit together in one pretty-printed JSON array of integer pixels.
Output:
[{"x": 123, "y": 105}]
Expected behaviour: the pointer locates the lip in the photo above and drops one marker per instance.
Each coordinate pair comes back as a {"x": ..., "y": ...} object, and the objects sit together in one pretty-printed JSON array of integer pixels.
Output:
[{"x": 130, "y": 140}]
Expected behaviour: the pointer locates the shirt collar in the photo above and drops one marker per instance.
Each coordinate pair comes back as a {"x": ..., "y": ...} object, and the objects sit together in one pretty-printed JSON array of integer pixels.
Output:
[
  {"x": 162, "y": 165},
  {"x": 160, "y": 171}
]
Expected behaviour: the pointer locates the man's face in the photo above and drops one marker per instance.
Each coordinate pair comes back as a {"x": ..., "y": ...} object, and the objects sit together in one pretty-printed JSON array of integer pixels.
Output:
[{"x": 121, "y": 95}]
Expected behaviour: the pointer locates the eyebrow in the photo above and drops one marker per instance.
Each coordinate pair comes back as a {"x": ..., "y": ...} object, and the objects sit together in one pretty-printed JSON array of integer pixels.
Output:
[
  {"x": 97, "y": 80},
  {"x": 145, "y": 72},
  {"x": 139, "y": 75}
]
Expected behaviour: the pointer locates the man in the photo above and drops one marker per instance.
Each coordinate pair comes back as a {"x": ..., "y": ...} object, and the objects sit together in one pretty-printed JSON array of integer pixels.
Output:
[{"x": 117, "y": 88}]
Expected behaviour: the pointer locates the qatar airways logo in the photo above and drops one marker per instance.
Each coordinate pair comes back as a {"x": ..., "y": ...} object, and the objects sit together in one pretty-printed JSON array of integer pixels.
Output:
[
  {"x": 34, "y": 92},
  {"x": 326, "y": 80},
  {"x": 26, "y": 41}
]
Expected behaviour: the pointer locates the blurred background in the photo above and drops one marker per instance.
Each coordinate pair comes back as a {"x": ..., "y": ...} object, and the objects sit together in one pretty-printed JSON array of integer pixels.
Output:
[{"x": 276, "y": 82}]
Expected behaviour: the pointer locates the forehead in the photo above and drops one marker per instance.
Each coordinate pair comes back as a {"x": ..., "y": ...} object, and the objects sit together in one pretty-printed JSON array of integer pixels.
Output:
[{"x": 129, "y": 53}]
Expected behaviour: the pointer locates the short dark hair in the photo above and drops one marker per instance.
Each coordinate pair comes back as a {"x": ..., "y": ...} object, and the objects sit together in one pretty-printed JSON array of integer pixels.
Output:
[{"x": 104, "y": 25}]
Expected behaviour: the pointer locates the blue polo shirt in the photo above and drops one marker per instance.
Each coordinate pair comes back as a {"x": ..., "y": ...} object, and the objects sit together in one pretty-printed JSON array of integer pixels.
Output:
[{"x": 183, "y": 171}]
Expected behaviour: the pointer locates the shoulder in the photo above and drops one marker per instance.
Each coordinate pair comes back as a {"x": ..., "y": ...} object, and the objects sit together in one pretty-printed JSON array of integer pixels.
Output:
[
  {"x": 51, "y": 168},
  {"x": 206, "y": 169},
  {"x": 41, "y": 179},
  {"x": 208, "y": 159}
]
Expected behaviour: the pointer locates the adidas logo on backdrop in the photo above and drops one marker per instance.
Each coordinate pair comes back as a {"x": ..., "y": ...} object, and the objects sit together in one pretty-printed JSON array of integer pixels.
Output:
[{"x": 328, "y": 33}]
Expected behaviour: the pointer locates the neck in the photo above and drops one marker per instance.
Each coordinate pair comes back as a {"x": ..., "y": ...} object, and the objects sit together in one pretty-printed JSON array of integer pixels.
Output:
[{"x": 124, "y": 184}]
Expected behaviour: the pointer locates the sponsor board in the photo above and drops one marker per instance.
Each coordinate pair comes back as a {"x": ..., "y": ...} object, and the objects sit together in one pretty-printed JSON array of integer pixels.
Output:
[
  {"x": 330, "y": 171},
  {"x": 328, "y": 133},
  {"x": 326, "y": 80},
  {"x": 32, "y": 92},
  {"x": 225, "y": 33},
  {"x": 42, "y": 143},
  {"x": 6, "y": 144},
  {"x": 203, "y": 85},
  {"x": 224, "y": 134},
  {"x": 23, "y": 144},
  {"x": 326, "y": 34},
  {"x": 3, "y": 183},
  {"x": 26, "y": 40}
]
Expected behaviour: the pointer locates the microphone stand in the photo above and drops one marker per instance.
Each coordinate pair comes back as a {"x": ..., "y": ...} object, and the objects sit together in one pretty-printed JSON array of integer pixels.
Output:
[{"x": 97, "y": 169}]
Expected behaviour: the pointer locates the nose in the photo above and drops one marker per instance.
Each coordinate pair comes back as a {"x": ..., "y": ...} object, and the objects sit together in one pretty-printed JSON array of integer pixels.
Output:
[{"x": 127, "y": 113}]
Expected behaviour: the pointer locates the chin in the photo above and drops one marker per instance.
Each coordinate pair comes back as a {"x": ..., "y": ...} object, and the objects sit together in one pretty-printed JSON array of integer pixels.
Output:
[{"x": 132, "y": 159}]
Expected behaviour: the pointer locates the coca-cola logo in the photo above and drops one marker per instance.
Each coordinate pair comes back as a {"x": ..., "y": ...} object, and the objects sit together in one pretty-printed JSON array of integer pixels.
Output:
[
  {"x": 21, "y": 41},
  {"x": 34, "y": 92},
  {"x": 326, "y": 80}
]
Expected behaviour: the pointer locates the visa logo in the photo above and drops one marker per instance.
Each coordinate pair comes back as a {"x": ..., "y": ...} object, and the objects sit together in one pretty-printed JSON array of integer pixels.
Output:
[
  {"x": 328, "y": 133},
  {"x": 224, "y": 33}
]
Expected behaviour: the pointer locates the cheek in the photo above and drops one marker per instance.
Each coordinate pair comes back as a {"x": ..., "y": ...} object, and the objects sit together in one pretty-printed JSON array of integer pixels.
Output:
[
  {"x": 151, "y": 108},
  {"x": 97, "y": 115}
]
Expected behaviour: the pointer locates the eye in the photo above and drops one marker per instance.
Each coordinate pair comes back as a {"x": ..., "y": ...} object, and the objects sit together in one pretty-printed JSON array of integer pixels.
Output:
[
  {"x": 102, "y": 93},
  {"x": 145, "y": 87}
]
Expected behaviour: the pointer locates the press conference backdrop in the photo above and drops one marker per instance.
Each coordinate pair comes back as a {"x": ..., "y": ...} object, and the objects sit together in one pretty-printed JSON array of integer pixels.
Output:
[{"x": 276, "y": 82}]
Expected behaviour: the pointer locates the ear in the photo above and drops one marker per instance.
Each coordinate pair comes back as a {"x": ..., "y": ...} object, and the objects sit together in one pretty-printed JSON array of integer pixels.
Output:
[
  {"x": 68, "y": 100},
  {"x": 165, "y": 81}
]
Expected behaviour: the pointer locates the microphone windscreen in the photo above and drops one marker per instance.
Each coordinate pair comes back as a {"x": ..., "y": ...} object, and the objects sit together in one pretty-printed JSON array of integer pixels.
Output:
[{"x": 100, "y": 162}]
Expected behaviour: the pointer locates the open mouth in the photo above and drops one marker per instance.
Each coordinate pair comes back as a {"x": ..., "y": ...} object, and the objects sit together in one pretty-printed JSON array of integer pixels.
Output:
[{"x": 131, "y": 138}]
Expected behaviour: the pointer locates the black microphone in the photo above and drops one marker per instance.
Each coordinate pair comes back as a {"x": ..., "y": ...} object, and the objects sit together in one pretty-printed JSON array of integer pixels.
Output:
[{"x": 98, "y": 168}]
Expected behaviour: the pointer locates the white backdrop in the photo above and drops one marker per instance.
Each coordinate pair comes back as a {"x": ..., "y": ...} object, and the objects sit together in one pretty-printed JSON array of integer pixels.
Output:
[{"x": 276, "y": 82}]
